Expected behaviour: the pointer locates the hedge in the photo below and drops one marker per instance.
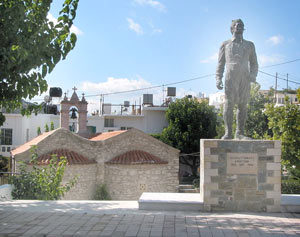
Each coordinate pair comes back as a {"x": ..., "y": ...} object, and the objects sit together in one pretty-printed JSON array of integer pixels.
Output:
[{"x": 290, "y": 186}]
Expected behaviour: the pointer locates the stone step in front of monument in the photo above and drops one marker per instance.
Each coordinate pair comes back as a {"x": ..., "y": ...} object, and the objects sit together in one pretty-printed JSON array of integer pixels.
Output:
[
  {"x": 290, "y": 203},
  {"x": 171, "y": 202},
  {"x": 187, "y": 188}
]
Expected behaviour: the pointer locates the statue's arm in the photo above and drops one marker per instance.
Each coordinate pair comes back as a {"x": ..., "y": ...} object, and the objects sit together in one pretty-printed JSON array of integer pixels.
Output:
[
  {"x": 253, "y": 64},
  {"x": 220, "y": 67}
]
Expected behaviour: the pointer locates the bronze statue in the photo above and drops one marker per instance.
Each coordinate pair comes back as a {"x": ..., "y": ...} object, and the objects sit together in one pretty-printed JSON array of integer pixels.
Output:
[{"x": 241, "y": 69}]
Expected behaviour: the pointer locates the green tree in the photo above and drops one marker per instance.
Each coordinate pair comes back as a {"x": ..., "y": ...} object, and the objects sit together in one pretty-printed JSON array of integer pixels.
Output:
[
  {"x": 30, "y": 47},
  {"x": 189, "y": 121},
  {"x": 46, "y": 128},
  {"x": 42, "y": 182},
  {"x": 51, "y": 126},
  {"x": 38, "y": 131},
  {"x": 4, "y": 164},
  {"x": 256, "y": 125},
  {"x": 284, "y": 121},
  {"x": 298, "y": 94}
]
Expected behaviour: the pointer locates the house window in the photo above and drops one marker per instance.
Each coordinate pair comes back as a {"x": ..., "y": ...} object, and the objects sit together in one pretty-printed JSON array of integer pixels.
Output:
[
  {"x": 108, "y": 123},
  {"x": 6, "y": 136}
]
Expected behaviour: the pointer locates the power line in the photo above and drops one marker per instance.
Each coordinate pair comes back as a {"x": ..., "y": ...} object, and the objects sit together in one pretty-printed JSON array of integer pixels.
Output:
[
  {"x": 152, "y": 87},
  {"x": 283, "y": 79},
  {"x": 192, "y": 79},
  {"x": 278, "y": 64}
]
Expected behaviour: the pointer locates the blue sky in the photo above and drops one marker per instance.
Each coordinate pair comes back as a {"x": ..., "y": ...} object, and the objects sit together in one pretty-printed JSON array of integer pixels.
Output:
[{"x": 132, "y": 44}]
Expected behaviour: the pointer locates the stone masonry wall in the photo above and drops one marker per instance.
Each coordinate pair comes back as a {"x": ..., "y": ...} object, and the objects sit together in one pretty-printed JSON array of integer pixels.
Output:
[
  {"x": 240, "y": 175},
  {"x": 128, "y": 182},
  {"x": 84, "y": 189},
  {"x": 102, "y": 151}
]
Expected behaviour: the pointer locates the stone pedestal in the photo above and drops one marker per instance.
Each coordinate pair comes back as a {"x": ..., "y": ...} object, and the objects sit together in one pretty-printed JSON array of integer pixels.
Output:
[{"x": 240, "y": 175}]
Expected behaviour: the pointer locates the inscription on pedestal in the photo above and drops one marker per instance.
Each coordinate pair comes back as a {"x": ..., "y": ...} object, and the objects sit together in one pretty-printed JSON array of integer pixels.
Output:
[{"x": 241, "y": 163}]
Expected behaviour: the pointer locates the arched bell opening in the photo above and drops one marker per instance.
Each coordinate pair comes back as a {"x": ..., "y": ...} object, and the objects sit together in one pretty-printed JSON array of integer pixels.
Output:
[{"x": 73, "y": 119}]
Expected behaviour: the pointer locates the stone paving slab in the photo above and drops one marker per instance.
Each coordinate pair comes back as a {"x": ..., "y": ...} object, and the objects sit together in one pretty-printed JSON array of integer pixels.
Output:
[{"x": 27, "y": 218}]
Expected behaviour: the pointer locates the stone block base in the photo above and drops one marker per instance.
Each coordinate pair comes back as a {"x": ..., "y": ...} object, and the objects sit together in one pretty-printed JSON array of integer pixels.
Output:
[{"x": 240, "y": 175}]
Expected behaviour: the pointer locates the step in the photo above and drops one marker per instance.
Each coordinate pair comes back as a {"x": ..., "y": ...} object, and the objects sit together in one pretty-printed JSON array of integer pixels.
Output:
[
  {"x": 192, "y": 202},
  {"x": 186, "y": 186},
  {"x": 290, "y": 203},
  {"x": 188, "y": 190},
  {"x": 171, "y": 202}
]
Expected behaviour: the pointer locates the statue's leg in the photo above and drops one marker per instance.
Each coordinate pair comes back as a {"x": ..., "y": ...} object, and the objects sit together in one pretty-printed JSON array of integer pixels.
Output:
[
  {"x": 241, "y": 117},
  {"x": 228, "y": 118},
  {"x": 242, "y": 110}
]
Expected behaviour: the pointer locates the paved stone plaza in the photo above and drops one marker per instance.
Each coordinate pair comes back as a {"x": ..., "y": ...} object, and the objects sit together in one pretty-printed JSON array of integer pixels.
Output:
[{"x": 37, "y": 218}]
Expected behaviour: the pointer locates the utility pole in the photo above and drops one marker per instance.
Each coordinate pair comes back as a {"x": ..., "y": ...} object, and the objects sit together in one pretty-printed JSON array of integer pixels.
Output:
[
  {"x": 100, "y": 109},
  {"x": 287, "y": 82},
  {"x": 163, "y": 94},
  {"x": 275, "y": 94}
]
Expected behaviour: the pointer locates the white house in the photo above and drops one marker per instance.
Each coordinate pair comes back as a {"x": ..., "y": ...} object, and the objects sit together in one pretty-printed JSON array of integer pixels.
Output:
[
  {"x": 280, "y": 96},
  {"x": 217, "y": 99}
]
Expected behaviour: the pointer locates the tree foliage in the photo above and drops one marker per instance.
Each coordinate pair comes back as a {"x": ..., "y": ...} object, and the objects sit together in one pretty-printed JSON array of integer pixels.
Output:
[
  {"x": 38, "y": 131},
  {"x": 256, "y": 125},
  {"x": 189, "y": 121},
  {"x": 42, "y": 182},
  {"x": 30, "y": 47},
  {"x": 46, "y": 127},
  {"x": 52, "y": 126},
  {"x": 284, "y": 121}
]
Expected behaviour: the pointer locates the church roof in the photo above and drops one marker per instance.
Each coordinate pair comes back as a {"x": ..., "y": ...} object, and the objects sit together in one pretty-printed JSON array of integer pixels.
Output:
[
  {"x": 106, "y": 135},
  {"x": 73, "y": 158},
  {"x": 136, "y": 157},
  {"x": 31, "y": 143}
]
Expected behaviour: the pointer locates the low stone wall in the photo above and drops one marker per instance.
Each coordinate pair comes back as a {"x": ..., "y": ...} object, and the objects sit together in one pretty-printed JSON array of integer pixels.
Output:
[
  {"x": 240, "y": 175},
  {"x": 5, "y": 192},
  {"x": 86, "y": 181},
  {"x": 128, "y": 182}
]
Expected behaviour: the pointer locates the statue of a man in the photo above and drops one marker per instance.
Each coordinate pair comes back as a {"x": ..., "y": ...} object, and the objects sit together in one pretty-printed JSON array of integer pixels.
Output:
[{"x": 241, "y": 69}]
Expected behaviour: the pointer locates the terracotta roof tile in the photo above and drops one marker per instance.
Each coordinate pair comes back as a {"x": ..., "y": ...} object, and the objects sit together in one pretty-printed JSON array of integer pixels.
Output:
[
  {"x": 26, "y": 146},
  {"x": 73, "y": 158},
  {"x": 136, "y": 157},
  {"x": 106, "y": 135}
]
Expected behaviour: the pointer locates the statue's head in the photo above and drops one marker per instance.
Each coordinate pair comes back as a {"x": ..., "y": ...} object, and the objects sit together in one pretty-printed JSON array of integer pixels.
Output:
[{"x": 237, "y": 25}]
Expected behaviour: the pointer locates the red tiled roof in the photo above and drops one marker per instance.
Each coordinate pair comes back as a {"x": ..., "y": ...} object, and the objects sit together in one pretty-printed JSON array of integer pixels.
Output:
[
  {"x": 72, "y": 157},
  {"x": 136, "y": 157},
  {"x": 31, "y": 143},
  {"x": 106, "y": 135}
]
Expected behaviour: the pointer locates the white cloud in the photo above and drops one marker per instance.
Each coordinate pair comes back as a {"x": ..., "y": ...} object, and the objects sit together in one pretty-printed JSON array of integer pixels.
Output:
[
  {"x": 154, "y": 29},
  {"x": 112, "y": 85},
  {"x": 275, "y": 40},
  {"x": 265, "y": 60},
  {"x": 212, "y": 59},
  {"x": 73, "y": 29},
  {"x": 152, "y": 3},
  {"x": 135, "y": 26}
]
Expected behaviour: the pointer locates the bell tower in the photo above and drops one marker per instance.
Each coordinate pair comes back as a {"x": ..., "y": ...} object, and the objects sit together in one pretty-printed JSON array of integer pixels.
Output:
[{"x": 81, "y": 106}]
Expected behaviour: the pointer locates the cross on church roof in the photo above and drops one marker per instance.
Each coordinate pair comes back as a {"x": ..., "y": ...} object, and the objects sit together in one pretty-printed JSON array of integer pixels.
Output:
[{"x": 74, "y": 88}]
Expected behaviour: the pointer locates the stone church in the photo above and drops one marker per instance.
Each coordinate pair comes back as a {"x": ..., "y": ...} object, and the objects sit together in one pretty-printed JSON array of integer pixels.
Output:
[{"x": 129, "y": 162}]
